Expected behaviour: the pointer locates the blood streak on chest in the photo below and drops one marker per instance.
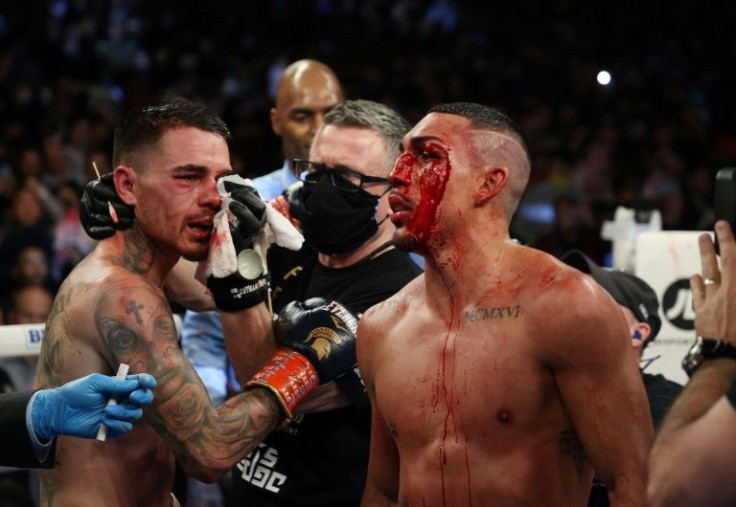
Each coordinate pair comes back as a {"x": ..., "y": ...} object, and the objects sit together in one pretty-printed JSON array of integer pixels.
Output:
[{"x": 448, "y": 390}]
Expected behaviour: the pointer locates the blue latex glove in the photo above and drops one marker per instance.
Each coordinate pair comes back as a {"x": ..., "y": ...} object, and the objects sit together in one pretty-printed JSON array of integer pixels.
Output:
[{"x": 78, "y": 407}]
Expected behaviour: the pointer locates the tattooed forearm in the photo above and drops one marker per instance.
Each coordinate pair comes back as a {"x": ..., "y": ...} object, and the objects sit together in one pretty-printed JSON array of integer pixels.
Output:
[
  {"x": 184, "y": 403},
  {"x": 496, "y": 312},
  {"x": 218, "y": 437},
  {"x": 136, "y": 325},
  {"x": 243, "y": 425}
]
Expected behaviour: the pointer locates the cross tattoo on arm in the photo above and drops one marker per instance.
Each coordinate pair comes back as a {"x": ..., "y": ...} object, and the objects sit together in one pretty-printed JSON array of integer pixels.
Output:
[{"x": 135, "y": 310}]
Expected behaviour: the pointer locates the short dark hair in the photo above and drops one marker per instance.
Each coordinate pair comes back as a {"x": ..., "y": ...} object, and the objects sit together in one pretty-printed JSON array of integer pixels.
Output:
[
  {"x": 484, "y": 117},
  {"x": 369, "y": 115},
  {"x": 147, "y": 124}
]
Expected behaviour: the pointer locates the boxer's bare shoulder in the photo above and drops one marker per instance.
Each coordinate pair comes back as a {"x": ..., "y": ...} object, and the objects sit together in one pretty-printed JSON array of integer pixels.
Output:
[
  {"x": 544, "y": 282},
  {"x": 386, "y": 315},
  {"x": 74, "y": 336},
  {"x": 562, "y": 305},
  {"x": 396, "y": 305}
]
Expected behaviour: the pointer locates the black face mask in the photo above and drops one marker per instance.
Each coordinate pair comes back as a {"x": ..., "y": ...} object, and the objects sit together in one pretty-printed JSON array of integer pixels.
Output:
[{"x": 334, "y": 221}]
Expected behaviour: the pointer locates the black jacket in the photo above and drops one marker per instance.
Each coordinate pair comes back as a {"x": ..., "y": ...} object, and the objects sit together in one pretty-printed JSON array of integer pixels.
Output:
[{"x": 16, "y": 449}]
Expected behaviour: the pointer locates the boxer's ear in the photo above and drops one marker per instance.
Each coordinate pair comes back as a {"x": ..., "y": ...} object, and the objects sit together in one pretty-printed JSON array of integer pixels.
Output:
[
  {"x": 125, "y": 181},
  {"x": 494, "y": 181}
]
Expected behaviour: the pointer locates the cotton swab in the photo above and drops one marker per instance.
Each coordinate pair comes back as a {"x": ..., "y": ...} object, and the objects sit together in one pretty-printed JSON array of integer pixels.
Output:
[{"x": 122, "y": 373}]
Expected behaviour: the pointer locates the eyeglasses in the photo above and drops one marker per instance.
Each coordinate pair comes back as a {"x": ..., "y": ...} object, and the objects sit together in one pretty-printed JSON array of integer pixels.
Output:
[{"x": 341, "y": 178}]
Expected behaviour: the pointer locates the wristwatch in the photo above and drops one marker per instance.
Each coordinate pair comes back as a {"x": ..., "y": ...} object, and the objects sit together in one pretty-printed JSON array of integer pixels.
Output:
[{"x": 706, "y": 348}]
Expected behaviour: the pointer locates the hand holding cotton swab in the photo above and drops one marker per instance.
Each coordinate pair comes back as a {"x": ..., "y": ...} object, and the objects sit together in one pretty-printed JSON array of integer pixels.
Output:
[{"x": 121, "y": 374}]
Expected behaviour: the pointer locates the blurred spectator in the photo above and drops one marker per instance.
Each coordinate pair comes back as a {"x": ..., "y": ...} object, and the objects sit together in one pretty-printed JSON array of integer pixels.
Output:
[
  {"x": 31, "y": 268},
  {"x": 75, "y": 150},
  {"x": 71, "y": 243},
  {"x": 27, "y": 225},
  {"x": 29, "y": 304},
  {"x": 659, "y": 129},
  {"x": 53, "y": 151}
]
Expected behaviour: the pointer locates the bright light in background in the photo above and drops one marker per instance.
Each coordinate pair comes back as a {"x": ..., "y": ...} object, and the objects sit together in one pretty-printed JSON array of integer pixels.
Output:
[{"x": 604, "y": 77}]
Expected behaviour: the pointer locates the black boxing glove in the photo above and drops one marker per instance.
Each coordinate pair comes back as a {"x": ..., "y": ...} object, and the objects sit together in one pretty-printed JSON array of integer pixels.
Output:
[
  {"x": 248, "y": 208},
  {"x": 322, "y": 330},
  {"x": 101, "y": 211},
  {"x": 249, "y": 285},
  {"x": 317, "y": 345}
]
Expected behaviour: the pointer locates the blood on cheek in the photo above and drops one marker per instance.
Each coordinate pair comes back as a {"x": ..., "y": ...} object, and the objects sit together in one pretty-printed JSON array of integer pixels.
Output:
[{"x": 432, "y": 180}]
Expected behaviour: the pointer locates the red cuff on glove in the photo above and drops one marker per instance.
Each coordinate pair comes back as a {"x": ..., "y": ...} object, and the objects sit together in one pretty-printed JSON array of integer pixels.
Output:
[{"x": 290, "y": 376}]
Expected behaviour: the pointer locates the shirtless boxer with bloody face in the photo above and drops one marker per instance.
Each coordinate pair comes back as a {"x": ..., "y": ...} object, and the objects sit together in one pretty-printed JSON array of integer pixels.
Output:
[
  {"x": 501, "y": 376},
  {"x": 112, "y": 309}
]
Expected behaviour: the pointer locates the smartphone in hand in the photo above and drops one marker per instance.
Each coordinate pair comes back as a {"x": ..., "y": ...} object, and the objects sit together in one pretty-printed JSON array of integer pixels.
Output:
[{"x": 725, "y": 198}]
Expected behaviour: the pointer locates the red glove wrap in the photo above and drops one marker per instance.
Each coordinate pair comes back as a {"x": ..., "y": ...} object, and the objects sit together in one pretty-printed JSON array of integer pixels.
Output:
[{"x": 290, "y": 376}]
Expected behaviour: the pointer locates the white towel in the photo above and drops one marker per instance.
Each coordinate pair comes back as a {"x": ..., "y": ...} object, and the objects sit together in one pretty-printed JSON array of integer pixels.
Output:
[{"x": 221, "y": 259}]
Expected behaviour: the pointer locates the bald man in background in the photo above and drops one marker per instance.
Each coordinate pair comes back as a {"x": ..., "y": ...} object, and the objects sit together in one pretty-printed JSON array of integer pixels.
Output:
[{"x": 307, "y": 90}]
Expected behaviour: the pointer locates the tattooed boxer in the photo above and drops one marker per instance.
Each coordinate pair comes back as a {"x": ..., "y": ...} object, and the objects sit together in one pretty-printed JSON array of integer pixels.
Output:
[{"x": 111, "y": 309}]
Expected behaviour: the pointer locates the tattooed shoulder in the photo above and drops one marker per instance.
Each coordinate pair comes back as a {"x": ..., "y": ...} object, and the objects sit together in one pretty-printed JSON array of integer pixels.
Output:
[
  {"x": 130, "y": 311},
  {"x": 51, "y": 357}
]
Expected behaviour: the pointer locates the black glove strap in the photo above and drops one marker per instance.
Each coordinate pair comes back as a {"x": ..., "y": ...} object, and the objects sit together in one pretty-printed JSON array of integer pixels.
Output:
[{"x": 233, "y": 293}]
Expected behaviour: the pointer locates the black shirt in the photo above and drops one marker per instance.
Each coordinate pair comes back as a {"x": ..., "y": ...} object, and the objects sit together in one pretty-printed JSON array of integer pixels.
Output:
[
  {"x": 321, "y": 459},
  {"x": 661, "y": 394}
]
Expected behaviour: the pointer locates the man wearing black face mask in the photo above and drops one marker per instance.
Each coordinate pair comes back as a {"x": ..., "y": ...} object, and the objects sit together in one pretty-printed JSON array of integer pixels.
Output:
[
  {"x": 338, "y": 212},
  {"x": 321, "y": 457}
]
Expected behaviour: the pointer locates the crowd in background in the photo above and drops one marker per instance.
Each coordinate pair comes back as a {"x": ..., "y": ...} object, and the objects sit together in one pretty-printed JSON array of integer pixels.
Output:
[{"x": 654, "y": 137}]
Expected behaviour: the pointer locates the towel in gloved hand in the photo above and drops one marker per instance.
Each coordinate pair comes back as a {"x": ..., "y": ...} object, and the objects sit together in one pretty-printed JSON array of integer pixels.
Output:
[{"x": 222, "y": 258}]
